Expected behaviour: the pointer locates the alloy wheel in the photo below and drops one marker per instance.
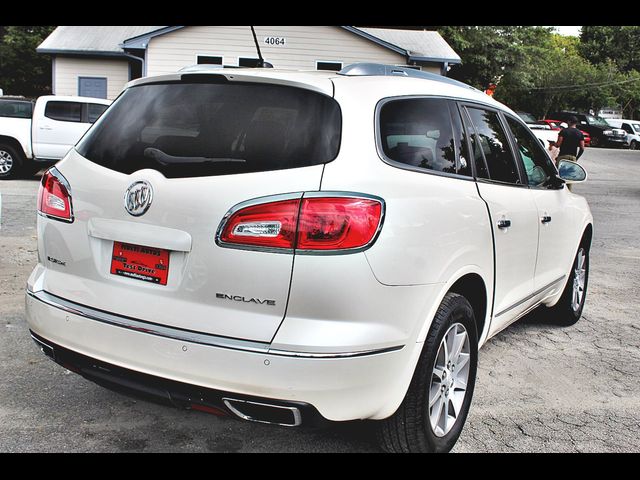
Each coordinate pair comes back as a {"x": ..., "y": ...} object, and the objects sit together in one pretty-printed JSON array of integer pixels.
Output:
[
  {"x": 6, "y": 162},
  {"x": 449, "y": 380},
  {"x": 579, "y": 277}
]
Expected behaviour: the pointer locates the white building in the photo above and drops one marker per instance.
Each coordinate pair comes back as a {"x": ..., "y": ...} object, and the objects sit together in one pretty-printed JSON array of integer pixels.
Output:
[{"x": 98, "y": 61}]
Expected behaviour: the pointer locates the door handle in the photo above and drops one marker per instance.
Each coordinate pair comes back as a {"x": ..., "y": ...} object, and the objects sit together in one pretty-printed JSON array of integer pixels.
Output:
[
  {"x": 546, "y": 219},
  {"x": 504, "y": 223},
  {"x": 45, "y": 127}
]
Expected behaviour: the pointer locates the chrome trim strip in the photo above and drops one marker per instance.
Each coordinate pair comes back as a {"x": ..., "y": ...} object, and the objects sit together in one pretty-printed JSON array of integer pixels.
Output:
[
  {"x": 534, "y": 294},
  {"x": 188, "y": 335},
  {"x": 362, "y": 353},
  {"x": 147, "y": 327},
  {"x": 297, "y": 417}
]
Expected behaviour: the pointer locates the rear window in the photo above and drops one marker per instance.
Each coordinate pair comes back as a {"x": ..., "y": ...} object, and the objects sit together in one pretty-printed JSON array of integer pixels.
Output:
[
  {"x": 418, "y": 132},
  {"x": 16, "y": 109},
  {"x": 207, "y": 129}
]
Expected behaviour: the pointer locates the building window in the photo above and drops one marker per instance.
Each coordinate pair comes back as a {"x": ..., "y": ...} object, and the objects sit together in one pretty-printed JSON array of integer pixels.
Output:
[
  {"x": 209, "y": 60},
  {"x": 95, "y": 87},
  {"x": 331, "y": 66},
  {"x": 248, "y": 62}
]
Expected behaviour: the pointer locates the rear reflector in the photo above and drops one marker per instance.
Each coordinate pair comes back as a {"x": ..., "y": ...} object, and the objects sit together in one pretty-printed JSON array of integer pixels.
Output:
[
  {"x": 54, "y": 197},
  {"x": 312, "y": 223}
]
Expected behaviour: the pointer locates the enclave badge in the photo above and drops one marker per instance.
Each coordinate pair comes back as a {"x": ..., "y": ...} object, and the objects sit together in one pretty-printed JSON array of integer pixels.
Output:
[{"x": 138, "y": 197}]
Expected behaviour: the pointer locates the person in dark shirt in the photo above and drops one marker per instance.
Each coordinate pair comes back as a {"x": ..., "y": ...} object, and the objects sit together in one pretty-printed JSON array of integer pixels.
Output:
[{"x": 570, "y": 142}]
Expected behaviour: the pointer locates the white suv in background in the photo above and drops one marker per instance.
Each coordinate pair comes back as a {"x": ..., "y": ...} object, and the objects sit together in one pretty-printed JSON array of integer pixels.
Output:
[
  {"x": 296, "y": 247},
  {"x": 632, "y": 129}
]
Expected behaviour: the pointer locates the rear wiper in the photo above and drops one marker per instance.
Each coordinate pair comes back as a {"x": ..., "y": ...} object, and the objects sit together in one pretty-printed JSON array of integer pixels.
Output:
[{"x": 166, "y": 159}]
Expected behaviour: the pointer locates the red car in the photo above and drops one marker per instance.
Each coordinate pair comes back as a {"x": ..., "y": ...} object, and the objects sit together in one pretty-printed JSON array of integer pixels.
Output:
[{"x": 555, "y": 125}]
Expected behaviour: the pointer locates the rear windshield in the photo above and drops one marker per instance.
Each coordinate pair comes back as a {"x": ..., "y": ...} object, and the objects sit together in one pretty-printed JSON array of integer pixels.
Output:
[
  {"x": 206, "y": 129},
  {"x": 16, "y": 109}
]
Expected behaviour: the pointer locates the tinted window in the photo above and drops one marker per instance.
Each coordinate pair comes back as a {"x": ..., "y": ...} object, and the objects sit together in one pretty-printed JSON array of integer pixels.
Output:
[
  {"x": 418, "y": 133},
  {"x": 204, "y": 129},
  {"x": 494, "y": 145},
  {"x": 64, "y": 111},
  {"x": 16, "y": 109},
  {"x": 94, "y": 110},
  {"x": 464, "y": 159},
  {"x": 332, "y": 66},
  {"x": 537, "y": 164},
  {"x": 248, "y": 62},
  {"x": 208, "y": 60}
]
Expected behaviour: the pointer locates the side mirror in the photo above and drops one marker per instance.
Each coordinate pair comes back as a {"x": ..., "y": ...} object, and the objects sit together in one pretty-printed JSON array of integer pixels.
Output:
[{"x": 571, "y": 172}]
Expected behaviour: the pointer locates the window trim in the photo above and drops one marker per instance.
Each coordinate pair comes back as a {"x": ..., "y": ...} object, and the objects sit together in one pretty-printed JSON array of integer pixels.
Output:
[
  {"x": 221, "y": 57},
  {"x": 403, "y": 166},
  {"x": 524, "y": 184}
]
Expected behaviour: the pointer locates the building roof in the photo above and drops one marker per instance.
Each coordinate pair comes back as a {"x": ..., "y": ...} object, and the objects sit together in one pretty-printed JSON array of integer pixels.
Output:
[
  {"x": 416, "y": 45},
  {"x": 419, "y": 44},
  {"x": 91, "y": 40}
]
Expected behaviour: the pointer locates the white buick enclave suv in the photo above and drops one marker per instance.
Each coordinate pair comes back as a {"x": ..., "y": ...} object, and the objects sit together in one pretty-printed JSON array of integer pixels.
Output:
[{"x": 297, "y": 247}]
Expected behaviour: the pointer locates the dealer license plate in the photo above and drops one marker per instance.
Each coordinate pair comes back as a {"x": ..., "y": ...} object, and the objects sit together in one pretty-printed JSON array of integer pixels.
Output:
[{"x": 140, "y": 263}]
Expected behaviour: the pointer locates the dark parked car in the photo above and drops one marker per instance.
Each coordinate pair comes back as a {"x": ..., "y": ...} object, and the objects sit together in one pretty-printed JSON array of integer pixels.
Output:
[{"x": 602, "y": 134}]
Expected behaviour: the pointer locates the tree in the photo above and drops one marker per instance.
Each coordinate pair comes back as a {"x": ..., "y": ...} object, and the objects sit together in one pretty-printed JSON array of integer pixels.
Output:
[
  {"x": 22, "y": 70},
  {"x": 490, "y": 52},
  {"x": 618, "y": 44}
]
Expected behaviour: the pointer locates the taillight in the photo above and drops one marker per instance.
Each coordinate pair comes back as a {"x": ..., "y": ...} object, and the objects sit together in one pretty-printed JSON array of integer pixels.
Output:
[
  {"x": 337, "y": 223},
  {"x": 54, "y": 197},
  {"x": 265, "y": 225},
  {"x": 322, "y": 222}
]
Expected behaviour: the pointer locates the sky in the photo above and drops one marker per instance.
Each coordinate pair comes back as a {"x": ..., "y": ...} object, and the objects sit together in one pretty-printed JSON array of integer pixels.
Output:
[{"x": 569, "y": 31}]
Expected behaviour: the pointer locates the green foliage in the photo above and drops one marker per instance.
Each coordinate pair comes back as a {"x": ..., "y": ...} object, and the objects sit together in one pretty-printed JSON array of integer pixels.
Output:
[
  {"x": 22, "y": 70},
  {"x": 539, "y": 71},
  {"x": 619, "y": 45}
]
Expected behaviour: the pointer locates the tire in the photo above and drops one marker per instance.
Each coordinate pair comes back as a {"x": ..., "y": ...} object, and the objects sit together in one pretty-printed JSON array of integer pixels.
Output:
[
  {"x": 411, "y": 428},
  {"x": 11, "y": 162},
  {"x": 633, "y": 145},
  {"x": 569, "y": 308},
  {"x": 595, "y": 141}
]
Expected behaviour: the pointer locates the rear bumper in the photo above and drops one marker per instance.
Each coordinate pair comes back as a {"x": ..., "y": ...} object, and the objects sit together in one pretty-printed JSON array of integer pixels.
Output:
[
  {"x": 178, "y": 394},
  {"x": 337, "y": 387}
]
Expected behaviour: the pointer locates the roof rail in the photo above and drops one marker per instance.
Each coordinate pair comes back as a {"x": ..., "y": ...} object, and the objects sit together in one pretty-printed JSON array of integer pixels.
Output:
[
  {"x": 199, "y": 68},
  {"x": 379, "y": 69}
]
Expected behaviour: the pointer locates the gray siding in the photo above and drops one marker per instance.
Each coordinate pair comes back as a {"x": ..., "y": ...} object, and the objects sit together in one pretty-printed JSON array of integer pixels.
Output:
[
  {"x": 304, "y": 46},
  {"x": 67, "y": 70}
]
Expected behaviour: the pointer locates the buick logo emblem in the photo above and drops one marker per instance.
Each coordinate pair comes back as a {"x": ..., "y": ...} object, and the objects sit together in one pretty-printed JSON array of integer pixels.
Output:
[{"x": 138, "y": 197}]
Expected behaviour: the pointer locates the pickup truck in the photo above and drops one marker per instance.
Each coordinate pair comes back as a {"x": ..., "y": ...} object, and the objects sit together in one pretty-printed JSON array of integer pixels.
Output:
[{"x": 34, "y": 134}]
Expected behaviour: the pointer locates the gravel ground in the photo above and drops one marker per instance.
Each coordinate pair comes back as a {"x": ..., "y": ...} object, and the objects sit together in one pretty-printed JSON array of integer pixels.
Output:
[{"x": 540, "y": 388}]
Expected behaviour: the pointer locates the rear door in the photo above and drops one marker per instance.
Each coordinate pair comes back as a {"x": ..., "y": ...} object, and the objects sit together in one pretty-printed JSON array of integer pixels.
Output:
[
  {"x": 202, "y": 148},
  {"x": 514, "y": 214}
]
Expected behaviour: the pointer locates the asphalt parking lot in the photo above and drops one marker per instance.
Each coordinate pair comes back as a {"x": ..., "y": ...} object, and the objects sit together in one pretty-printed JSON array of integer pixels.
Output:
[{"x": 540, "y": 388}]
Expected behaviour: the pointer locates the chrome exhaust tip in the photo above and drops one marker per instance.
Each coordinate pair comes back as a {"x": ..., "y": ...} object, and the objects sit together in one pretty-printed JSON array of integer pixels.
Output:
[{"x": 264, "y": 412}]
